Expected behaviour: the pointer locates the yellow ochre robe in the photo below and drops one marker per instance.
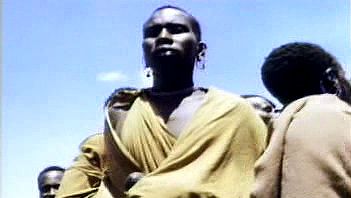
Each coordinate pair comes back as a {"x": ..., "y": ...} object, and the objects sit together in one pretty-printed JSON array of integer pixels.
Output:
[{"x": 213, "y": 157}]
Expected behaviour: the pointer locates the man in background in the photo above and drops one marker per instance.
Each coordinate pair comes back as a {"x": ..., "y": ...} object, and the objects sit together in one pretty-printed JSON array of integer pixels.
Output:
[
  {"x": 309, "y": 152},
  {"x": 265, "y": 108},
  {"x": 49, "y": 181}
]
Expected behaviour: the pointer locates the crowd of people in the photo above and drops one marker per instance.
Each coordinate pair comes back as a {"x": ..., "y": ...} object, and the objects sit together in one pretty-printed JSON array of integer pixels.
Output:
[{"x": 175, "y": 140}]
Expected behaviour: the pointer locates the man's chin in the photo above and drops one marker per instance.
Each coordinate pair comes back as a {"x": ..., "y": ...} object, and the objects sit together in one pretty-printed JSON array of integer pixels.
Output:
[
  {"x": 167, "y": 53},
  {"x": 167, "y": 57}
]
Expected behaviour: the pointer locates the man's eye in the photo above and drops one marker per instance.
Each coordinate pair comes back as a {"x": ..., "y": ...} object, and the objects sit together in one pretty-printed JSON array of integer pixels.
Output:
[
  {"x": 268, "y": 109},
  {"x": 45, "y": 188},
  {"x": 177, "y": 29},
  {"x": 171, "y": 29},
  {"x": 152, "y": 32}
]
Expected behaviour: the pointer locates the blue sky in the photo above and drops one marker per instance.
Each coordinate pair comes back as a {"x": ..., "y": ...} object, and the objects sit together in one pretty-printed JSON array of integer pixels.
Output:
[{"x": 62, "y": 58}]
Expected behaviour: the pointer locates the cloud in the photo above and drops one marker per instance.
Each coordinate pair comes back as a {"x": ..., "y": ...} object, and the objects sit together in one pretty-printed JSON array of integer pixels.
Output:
[{"x": 111, "y": 77}]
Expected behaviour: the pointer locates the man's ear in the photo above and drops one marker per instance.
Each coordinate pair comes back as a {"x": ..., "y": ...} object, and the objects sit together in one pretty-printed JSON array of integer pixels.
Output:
[
  {"x": 329, "y": 82},
  {"x": 202, "y": 49}
]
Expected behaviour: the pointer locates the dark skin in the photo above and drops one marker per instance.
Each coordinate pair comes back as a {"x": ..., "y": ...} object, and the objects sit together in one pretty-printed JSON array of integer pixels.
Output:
[
  {"x": 49, "y": 183},
  {"x": 262, "y": 107},
  {"x": 171, "y": 49},
  {"x": 345, "y": 89}
]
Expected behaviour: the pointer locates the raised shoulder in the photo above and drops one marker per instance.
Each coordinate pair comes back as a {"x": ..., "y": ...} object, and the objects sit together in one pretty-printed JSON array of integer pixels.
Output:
[
  {"x": 93, "y": 140},
  {"x": 93, "y": 149},
  {"x": 122, "y": 98},
  {"x": 84, "y": 176},
  {"x": 325, "y": 103},
  {"x": 227, "y": 96}
]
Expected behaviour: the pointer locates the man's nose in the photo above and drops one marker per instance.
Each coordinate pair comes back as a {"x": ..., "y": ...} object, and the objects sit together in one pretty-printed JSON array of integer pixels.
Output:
[
  {"x": 50, "y": 193},
  {"x": 164, "y": 37},
  {"x": 164, "y": 33}
]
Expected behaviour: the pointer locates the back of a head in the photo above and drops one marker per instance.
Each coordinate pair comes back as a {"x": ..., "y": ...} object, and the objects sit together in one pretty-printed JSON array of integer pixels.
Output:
[{"x": 294, "y": 70}]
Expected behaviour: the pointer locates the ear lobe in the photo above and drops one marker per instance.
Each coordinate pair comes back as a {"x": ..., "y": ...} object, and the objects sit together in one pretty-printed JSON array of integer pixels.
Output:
[
  {"x": 202, "y": 48},
  {"x": 329, "y": 82}
]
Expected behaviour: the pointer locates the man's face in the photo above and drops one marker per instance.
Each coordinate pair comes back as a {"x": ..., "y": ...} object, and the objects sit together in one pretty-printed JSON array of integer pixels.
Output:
[
  {"x": 49, "y": 183},
  {"x": 264, "y": 109},
  {"x": 169, "y": 38}
]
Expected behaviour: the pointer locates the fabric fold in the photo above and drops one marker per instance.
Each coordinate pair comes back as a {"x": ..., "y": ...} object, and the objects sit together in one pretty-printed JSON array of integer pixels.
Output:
[{"x": 213, "y": 157}]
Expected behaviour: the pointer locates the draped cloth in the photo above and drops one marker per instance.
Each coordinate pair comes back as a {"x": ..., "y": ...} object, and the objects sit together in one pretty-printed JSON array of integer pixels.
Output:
[
  {"x": 214, "y": 156},
  {"x": 83, "y": 177},
  {"x": 309, "y": 154}
]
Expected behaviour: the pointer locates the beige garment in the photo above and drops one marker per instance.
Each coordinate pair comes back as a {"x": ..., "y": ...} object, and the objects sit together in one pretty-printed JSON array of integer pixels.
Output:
[
  {"x": 213, "y": 157},
  {"x": 309, "y": 154},
  {"x": 83, "y": 178}
]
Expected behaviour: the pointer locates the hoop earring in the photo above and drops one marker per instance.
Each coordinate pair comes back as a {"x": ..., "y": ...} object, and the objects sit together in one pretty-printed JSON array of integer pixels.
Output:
[
  {"x": 200, "y": 63},
  {"x": 330, "y": 82},
  {"x": 338, "y": 89},
  {"x": 148, "y": 72}
]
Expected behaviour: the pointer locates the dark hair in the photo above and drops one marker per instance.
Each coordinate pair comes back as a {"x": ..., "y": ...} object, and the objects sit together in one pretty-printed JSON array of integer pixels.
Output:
[
  {"x": 258, "y": 96},
  {"x": 195, "y": 23},
  {"x": 294, "y": 70},
  {"x": 48, "y": 169}
]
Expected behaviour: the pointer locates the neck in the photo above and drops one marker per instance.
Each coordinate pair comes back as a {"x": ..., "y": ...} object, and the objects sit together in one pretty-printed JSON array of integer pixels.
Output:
[
  {"x": 168, "y": 85},
  {"x": 172, "y": 75}
]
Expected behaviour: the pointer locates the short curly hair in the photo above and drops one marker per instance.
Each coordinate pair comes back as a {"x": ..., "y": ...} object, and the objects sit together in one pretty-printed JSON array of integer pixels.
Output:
[
  {"x": 294, "y": 70},
  {"x": 48, "y": 169}
]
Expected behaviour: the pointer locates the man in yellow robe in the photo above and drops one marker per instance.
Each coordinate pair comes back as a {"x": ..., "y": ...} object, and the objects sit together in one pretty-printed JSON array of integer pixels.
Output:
[
  {"x": 84, "y": 176},
  {"x": 188, "y": 141},
  {"x": 212, "y": 157}
]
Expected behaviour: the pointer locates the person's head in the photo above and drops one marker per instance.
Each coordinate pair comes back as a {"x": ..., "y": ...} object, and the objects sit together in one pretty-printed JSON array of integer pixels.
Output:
[
  {"x": 172, "y": 42},
  {"x": 49, "y": 181},
  {"x": 300, "y": 69},
  {"x": 264, "y": 107}
]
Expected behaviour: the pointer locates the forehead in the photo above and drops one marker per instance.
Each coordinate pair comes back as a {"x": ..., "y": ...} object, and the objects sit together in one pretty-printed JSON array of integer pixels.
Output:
[
  {"x": 168, "y": 15},
  {"x": 258, "y": 101},
  {"x": 51, "y": 177}
]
